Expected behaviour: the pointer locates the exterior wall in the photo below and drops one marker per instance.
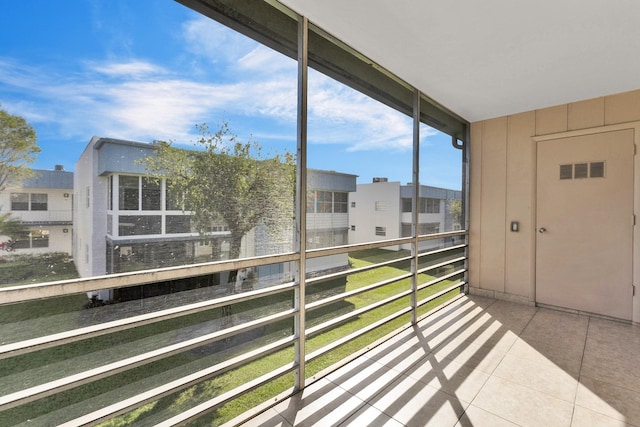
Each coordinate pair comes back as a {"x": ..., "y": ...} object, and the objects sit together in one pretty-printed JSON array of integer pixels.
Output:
[
  {"x": 56, "y": 220},
  {"x": 503, "y": 181},
  {"x": 366, "y": 218}
]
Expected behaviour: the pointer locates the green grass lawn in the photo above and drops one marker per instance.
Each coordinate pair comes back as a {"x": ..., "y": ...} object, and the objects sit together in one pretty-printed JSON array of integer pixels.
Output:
[{"x": 99, "y": 350}]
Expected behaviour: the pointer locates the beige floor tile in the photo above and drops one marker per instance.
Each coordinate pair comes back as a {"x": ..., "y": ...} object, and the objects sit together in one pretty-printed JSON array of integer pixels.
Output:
[
  {"x": 449, "y": 376},
  {"x": 484, "y": 357},
  {"x": 400, "y": 356},
  {"x": 371, "y": 417},
  {"x": 364, "y": 378},
  {"x": 620, "y": 372},
  {"x": 568, "y": 359},
  {"x": 476, "y": 417},
  {"x": 602, "y": 328},
  {"x": 322, "y": 404},
  {"x": 583, "y": 417},
  {"x": 610, "y": 400},
  {"x": 557, "y": 328},
  {"x": 540, "y": 374},
  {"x": 413, "y": 403},
  {"x": 511, "y": 315},
  {"x": 522, "y": 405}
]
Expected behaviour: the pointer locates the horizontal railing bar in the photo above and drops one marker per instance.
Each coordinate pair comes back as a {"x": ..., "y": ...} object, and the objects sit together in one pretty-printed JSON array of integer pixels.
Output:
[
  {"x": 340, "y": 319},
  {"x": 54, "y": 340},
  {"x": 208, "y": 406},
  {"x": 334, "y": 344},
  {"x": 441, "y": 250},
  {"x": 320, "y": 303},
  {"x": 351, "y": 271},
  {"x": 141, "y": 399},
  {"x": 13, "y": 294},
  {"x": 21, "y": 293},
  {"x": 440, "y": 279},
  {"x": 440, "y": 293},
  {"x": 56, "y": 386},
  {"x": 335, "y": 250},
  {"x": 442, "y": 264}
]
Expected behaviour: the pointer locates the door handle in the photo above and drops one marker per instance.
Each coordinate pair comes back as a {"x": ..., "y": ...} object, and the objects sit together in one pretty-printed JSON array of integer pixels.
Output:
[{"x": 542, "y": 230}]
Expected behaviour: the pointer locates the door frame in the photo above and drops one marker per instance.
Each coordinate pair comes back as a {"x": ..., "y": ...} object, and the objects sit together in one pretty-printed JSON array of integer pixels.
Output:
[{"x": 635, "y": 251}]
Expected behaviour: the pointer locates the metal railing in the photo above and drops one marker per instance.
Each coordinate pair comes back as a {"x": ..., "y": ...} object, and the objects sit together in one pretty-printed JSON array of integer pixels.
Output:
[{"x": 454, "y": 278}]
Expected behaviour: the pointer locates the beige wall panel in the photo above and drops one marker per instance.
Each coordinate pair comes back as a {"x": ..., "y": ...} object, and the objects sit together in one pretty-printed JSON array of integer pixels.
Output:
[
  {"x": 519, "y": 199},
  {"x": 623, "y": 107},
  {"x": 492, "y": 204},
  {"x": 551, "y": 120},
  {"x": 586, "y": 114},
  {"x": 475, "y": 196}
]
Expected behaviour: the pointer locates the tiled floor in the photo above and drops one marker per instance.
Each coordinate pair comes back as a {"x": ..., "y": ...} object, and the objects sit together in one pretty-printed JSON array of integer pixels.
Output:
[{"x": 482, "y": 362}]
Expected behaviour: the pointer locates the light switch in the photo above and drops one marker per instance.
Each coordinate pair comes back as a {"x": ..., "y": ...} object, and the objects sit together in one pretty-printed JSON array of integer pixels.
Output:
[{"x": 515, "y": 226}]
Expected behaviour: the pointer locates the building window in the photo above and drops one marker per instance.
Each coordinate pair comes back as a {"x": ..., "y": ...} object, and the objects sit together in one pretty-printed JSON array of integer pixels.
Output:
[
  {"x": 19, "y": 201},
  {"x": 405, "y": 230},
  {"x": 26, "y": 201},
  {"x": 406, "y": 205},
  {"x": 429, "y": 228},
  {"x": 381, "y": 205},
  {"x": 178, "y": 224},
  {"x": 32, "y": 239},
  {"x": 136, "y": 225},
  {"x": 39, "y": 202},
  {"x": 353, "y": 228},
  {"x": 381, "y": 231},
  {"x": 88, "y": 197},
  {"x": 128, "y": 193},
  {"x": 40, "y": 239},
  {"x": 429, "y": 205},
  {"x": 340, "y": 202},
  {"x": 110, "y": 193},
  {"x": 150, "y": 194},
  {"x": 353, "y": 204},
  {"x": 324, "y": 201},
  {"x": 311, "y": 201}
]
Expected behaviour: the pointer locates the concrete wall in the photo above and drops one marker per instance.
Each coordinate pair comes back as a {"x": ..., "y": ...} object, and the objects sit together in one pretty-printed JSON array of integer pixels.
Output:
[{"x": 502, "y": 189}]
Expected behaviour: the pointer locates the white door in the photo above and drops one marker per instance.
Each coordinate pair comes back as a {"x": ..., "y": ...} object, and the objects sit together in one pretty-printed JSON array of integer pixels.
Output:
[{"x": 585, "y": 223}]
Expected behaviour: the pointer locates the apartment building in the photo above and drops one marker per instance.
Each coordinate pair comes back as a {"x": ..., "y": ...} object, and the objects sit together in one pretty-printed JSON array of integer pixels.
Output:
[
  {"x": 43, "y": 204},
  {"x": 128, "y": 221},
  {"x": 382, "y": 210}
]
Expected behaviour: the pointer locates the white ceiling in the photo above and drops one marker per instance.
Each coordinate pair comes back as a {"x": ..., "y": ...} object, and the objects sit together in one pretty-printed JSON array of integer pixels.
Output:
[{"x": 490, "y": 58}]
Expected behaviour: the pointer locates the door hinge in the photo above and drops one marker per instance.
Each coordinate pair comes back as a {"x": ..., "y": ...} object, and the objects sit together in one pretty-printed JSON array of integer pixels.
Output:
[
  {"x": 634, "y": 219},
  {"x": 633, "y": 290}
]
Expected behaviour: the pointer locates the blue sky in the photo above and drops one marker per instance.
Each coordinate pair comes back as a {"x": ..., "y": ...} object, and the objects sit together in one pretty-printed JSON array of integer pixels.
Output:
[{"x": 150, "y": 70}]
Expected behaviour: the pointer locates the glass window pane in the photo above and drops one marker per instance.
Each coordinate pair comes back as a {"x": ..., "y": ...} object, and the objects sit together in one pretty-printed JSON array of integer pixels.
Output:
[
  {"x": 128, "y": 193},
  {"x": 19, "y": 201},
  {"x": 150, "y": 194},
  {"x": 39, "y": 202}
]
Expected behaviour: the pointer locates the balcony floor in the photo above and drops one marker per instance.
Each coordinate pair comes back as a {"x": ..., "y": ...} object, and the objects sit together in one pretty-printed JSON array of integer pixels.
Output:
[{"x": 482, "y": 362}]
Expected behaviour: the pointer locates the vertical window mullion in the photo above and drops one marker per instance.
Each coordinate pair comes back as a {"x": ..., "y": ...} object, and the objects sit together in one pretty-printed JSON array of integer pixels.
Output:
[{"x": 301, "y": 209}]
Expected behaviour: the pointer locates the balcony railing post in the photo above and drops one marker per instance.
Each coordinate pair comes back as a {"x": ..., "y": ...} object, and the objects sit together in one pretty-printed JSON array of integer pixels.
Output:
[
  {"x": 301, "y": 205},
  {"x": 416, "y": 199}
]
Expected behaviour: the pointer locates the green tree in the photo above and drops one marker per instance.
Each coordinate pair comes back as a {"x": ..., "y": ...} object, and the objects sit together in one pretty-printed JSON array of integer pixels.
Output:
[
  {"x": 455, "y": 210},
  {"x": 18, "y": 148},
  {"x": 229, "y": 182}
]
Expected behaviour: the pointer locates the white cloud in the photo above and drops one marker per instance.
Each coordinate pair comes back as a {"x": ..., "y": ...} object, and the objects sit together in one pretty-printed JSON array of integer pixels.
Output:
[
  {"x": 206, "y": 38},
  {"x": 134, "y": 69}
]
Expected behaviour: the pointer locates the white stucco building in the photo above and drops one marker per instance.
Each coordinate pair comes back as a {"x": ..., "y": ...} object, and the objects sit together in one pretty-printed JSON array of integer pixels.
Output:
[
  {"x": 382, "y": 210},
  {"x": 126, "y": 221},
  {"x": 43, "y": 203}
]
